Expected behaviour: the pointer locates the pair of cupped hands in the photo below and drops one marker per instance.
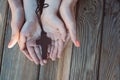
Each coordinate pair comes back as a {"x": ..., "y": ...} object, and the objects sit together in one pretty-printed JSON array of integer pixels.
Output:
[{"x": 58, "y": 21}]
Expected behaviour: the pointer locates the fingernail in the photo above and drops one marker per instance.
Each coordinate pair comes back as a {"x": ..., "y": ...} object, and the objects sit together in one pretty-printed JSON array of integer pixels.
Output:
[
  {"x": 41, "y": 64},
  {"x": 77, "y": 43},
  {"x": 45, "y": 61},
  {"x": 53, "y": 59},
  {"x": 10, "y": 43},
  {"x": 37, "y": 63}
]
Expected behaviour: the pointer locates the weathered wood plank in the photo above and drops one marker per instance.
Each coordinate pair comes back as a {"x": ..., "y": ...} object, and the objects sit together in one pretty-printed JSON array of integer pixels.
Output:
[
  {"x": 58, "y": 70},
  {"x": 48, "y": 71},
  {"x": 64, "y": 63},
  {"x": 3, "y": 18},
  {"x": 110, "y": 53},
  {"x": 85, "y": 60},
  {"x": 14, "y": 64}
]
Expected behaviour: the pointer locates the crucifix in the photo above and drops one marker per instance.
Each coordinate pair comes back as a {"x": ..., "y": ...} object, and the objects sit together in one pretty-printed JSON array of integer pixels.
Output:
[{"x": 44, "y": 41}]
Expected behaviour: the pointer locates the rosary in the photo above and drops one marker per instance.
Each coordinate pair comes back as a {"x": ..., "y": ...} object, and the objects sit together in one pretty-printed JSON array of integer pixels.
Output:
[{"x": 44, "y": 45}]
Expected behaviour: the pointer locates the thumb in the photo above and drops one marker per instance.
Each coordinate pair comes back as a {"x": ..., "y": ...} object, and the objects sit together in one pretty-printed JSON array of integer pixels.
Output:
[
  {"x": 14, "y": 39},
  {"x": 74, "y": 37}
]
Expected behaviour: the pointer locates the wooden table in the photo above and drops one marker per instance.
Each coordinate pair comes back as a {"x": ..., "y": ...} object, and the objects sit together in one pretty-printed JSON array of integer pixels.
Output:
[{"x": 98, "y": 58}]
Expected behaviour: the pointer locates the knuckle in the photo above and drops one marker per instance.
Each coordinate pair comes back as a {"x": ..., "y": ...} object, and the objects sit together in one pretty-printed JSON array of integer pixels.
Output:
[{"x": 22, "y": 49}]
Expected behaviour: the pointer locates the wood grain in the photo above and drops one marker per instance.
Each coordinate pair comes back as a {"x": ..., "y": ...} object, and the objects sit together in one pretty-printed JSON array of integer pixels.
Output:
[
  {"x": 57, "y": 70},
  {"x": 85, "y": 60},
  {"x": 64, "y": 63},
  {"x": 14, "y": 64},
  {"x": 98, "y": 58},
  {"x": 110, "y": 52},
  {"x": 3, "y": 19},
  {"x": 48, "y": 71}
]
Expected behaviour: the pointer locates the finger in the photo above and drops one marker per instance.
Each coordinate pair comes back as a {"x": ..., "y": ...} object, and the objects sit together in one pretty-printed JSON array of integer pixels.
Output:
[
  {"x": 41, "y": 62},
  {"x": 48, "y": 54},
  {"x": 69, "y": 20},
  {"x": 22, "y": 45},
  {"x": 25, "y": 52},
  {"x": 14, "y": 39},
  {"x": 38, "y": 53},
  {"x": 51, "y": 49},
  {"x": 60, "y": 44},
  {"x": 22, "y": 42},
  {"x": 33, "y": 54},
  {"x": 67, "y": 40},
  {"x": 73, "y": 37},
  {"x": 17, "y": 20},
  {"x": 54, "y": 56}
]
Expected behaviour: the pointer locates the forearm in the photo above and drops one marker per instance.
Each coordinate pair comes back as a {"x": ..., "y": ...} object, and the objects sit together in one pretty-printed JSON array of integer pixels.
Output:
[
  {"x": 14, "y": 4},
  {"x": 30, "y": 9}
]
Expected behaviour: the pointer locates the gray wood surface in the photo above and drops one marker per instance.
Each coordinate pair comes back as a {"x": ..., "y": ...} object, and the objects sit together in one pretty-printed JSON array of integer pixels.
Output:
[
  {"x": 85, "y": 60},
  {"x": 57, "y": 70},
  {"x": 110, "y": 51},
  {"x": 64, "y": 63},
  {"x": 3, "y": 19}
]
